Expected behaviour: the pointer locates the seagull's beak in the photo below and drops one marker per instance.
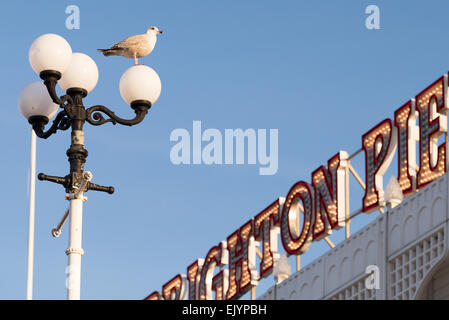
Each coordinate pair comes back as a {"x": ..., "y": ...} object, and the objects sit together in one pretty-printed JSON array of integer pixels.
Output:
[{"x": 160, "y": 31}]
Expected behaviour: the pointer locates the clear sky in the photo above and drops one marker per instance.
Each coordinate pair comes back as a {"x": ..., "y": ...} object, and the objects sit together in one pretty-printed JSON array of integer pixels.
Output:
[{"x": 310, "y": 69}]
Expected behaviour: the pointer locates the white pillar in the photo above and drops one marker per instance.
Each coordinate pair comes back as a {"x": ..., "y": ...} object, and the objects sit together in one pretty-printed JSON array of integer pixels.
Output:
[
  {"x": 29, "y": 292},
  {"x": 75, "y": 250}
]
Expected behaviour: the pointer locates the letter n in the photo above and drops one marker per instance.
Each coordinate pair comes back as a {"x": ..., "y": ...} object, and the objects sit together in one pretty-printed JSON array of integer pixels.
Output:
[{"x": 330, "y": 200}]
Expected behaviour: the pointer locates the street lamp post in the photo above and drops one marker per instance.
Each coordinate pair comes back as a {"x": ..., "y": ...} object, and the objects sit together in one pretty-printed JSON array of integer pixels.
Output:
[
  {"x": 34, "y": 99},
  {"x": 52, "y": 59}
]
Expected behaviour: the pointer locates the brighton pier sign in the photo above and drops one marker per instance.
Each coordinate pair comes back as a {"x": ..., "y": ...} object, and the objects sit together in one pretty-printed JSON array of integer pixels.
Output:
[{"x": 229, "y": 269}]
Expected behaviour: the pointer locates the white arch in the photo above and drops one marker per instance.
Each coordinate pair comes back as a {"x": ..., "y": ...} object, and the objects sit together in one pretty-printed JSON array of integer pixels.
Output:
[{"x": 421, "y": 287}]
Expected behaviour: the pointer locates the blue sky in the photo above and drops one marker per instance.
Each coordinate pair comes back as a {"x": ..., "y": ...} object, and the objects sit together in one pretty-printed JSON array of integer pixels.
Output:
[{"x": 310, "y": 69}]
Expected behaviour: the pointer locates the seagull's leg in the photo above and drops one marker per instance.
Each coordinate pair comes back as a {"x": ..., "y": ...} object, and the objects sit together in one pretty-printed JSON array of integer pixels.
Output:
[{"x": 135, "y": 59}]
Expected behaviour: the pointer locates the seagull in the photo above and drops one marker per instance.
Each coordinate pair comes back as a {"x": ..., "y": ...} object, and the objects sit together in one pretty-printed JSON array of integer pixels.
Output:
[{"x": 134, "y": 47}]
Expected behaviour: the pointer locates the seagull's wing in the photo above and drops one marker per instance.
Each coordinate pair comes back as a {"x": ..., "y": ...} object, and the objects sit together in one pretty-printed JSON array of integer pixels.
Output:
[{"x": 129, "y": 42}]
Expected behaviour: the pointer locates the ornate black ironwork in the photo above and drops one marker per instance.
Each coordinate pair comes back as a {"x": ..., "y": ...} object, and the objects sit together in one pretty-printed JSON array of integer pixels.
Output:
[
  {"x": 74, "y": 115},
  {"x": 94, "y": 117},
  {"x": 93, "y": 114},
  {"x": 61, "y": 122},
  {"x": 66, "y": 182}
]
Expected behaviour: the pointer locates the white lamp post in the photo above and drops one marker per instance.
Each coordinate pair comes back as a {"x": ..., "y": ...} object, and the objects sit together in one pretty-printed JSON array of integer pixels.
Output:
[
  {"x": 52, "y": 59},
  {"x": 34, "y": 100}
]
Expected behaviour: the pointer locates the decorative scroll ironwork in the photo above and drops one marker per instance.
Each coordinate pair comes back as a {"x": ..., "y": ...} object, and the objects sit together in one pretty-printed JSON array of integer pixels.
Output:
[
  {"x": 93, "y": 114},
  {"x": 94, "y": 117},
  {"x": 61, "y": 122},
  {"x": 74, "y": 115}
]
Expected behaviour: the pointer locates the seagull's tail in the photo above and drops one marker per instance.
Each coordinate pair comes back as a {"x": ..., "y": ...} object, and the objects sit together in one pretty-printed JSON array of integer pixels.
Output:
[{"x": 109, "y": 52}]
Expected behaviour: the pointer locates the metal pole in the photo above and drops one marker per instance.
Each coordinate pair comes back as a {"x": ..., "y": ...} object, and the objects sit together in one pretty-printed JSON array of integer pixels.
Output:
[
  {"x": 347, "y": 221},
  {"x": 75, "y": 251},
  {"x": 29, "y": 292},
  {"x": 298, "y": 261},
  {"x": 77, "y": 157}
]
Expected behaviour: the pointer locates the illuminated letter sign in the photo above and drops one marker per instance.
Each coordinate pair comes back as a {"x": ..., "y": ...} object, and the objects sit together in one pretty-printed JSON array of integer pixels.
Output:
[
  {"x": 193, "y": 276},
  {"x": 329, "y": 186},
  {"x": 175, "y": 288},
  {"x": 379, "y": 145},
  {"x": 405, "y": 122},
  {"x": 266, "y": 233},
  {"x": 311, "y": 211},
  {"x": 154, "y": 296},
  {"x": 213, "y": 258},
  {"x": 239, "y": 270},
  {"x": 297, "y": 242},
  {"x": 429, "y": 103},
  {"x": 220, "y": 284}
]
